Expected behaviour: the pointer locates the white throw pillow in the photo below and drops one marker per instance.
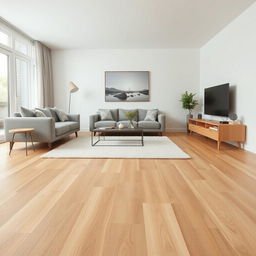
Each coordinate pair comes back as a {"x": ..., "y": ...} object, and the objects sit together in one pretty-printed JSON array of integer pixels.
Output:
[{"x": 151, "y": 115}]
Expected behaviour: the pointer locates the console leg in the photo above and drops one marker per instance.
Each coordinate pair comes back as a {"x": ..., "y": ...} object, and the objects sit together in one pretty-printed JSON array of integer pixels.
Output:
[
  {"x": 218, "y": 145},
  {"x": 76, "y": 134}
]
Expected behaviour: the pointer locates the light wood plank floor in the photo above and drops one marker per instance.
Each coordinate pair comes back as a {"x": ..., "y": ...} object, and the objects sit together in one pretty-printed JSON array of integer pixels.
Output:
[{"x": 202, "y": 206}]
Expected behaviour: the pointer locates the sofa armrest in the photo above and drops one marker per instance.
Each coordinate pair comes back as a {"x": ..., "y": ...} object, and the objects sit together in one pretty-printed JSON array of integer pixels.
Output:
[
  {"x": 44, "y": 128},
  {"x": 161, "y": 120},
  {"x": 92, "y": 120},
  {"x": 74, "y": 118}
]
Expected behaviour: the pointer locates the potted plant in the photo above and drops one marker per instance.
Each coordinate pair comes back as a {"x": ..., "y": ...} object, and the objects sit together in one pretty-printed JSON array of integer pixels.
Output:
[
  {"x": 188, "y": 102},
  {"x": 131, "y": 115}
]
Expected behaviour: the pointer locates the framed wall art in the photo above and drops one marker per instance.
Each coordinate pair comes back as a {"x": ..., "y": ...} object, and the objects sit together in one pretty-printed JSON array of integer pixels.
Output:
[{"x": 127, "y": 86}]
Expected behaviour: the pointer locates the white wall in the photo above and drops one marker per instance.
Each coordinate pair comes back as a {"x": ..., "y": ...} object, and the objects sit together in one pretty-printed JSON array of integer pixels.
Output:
[
  {"x": 231, "y": 57},
  {"x": 171, "y": 73}
]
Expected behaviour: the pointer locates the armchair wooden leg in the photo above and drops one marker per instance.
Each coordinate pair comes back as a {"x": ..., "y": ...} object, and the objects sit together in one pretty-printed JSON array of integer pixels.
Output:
[
  {"x": 11, "y": 144},
  {"x": 76, "y": 134},
  {"x": 50, "y": 145}
]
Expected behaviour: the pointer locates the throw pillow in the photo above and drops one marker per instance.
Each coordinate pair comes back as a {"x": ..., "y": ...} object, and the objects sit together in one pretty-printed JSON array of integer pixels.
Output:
[
  {"x": 122, "y": 115},
  {"x": 25, "y": 112},
  {"x": 46, "y": 111},
  {"x": 151, "y": 115},
  {"x": 61, "y": 115},
  {"x": 39, "y": 113},
  {"x": 54, "y": 114},
  {"x": 105, "y": 114}
]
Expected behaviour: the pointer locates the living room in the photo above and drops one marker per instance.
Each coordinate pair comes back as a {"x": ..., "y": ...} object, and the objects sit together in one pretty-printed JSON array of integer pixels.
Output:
[{"x": 142, "y": 109}]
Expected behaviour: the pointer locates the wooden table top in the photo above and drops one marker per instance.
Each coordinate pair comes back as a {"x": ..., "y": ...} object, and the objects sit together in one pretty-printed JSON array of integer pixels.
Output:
[{"x": 21, "y": 130}]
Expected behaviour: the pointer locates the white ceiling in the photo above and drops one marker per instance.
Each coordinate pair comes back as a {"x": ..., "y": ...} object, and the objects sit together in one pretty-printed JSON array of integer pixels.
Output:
[{"x": 67, "y": 24}]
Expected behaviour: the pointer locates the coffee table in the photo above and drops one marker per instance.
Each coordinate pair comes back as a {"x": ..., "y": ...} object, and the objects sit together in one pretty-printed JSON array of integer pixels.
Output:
[{"x": 101, "y": 133}]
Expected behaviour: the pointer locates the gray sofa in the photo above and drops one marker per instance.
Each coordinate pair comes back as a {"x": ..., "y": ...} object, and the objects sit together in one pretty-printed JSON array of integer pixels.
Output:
[
  {"x": 147, "y": 126},
  {"x": 46, "y": 129}
]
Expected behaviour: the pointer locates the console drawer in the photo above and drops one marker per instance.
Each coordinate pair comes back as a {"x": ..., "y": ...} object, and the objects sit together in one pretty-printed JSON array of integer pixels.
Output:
[{"x": 204, "y": 131}]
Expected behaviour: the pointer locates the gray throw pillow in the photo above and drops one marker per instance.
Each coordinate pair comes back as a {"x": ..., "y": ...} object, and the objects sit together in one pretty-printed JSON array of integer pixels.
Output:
[
  {"x": 26, "y": 112},
  {"x": 54, "y": 114},
  {"x": 39, "y": 113},
  {"x": 46, "y": 111},
  {"x": 105, "y": 114},
  {"x": 62, "y": 115},
  {"x": 151, "y": 115}
]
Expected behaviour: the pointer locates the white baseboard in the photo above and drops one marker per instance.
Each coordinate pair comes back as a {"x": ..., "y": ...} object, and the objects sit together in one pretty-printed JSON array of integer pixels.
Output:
[{"x": 167, "y": 129}]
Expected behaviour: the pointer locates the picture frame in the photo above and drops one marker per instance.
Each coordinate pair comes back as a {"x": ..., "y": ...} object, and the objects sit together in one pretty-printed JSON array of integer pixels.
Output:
[{"x": 127, "y": 86}]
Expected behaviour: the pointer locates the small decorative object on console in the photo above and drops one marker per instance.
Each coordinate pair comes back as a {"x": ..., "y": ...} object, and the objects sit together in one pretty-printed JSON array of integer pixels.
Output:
[
  {"x": 120, "y": 126},
  {"x": 233, "y": 117}
]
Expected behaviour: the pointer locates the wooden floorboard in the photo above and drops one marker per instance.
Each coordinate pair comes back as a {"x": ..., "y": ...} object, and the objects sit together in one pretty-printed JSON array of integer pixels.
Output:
[{"x": 201, "y": 206}]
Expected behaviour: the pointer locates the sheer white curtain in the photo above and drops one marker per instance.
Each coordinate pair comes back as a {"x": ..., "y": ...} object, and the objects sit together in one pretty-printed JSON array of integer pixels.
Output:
[{"x": 44, "y": 75}]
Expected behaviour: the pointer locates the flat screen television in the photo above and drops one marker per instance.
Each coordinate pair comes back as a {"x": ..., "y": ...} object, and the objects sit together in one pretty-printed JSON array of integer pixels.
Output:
[{"x": 216, "y": 100}]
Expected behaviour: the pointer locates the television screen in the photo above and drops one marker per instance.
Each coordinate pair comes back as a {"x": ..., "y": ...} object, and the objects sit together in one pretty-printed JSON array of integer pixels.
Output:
[{"x": 216, "y": 100}]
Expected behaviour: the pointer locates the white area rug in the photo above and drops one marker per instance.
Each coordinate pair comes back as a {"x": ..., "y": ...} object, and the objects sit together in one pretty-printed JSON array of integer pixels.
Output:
[{"x": 154, "y": 147}]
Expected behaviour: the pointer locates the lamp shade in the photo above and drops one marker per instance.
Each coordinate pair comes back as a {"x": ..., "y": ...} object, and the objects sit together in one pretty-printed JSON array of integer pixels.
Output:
[{"x": 72, "y": 87}]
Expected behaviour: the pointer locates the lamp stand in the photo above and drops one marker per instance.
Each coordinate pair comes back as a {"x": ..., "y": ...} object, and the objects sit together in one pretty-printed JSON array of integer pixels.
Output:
[{"x": 69, "y": 102}]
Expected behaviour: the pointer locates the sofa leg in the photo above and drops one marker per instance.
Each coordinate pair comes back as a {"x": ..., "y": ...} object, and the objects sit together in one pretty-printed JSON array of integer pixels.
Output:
[
  {"x": 50, "y": 145},
  {"x": 76, "y": 134}
]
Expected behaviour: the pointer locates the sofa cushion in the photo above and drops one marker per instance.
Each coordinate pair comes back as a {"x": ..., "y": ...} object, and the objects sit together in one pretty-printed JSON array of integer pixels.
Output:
[
  {"x": 63, "y": 117},
  {"x": 108, "y": 123},
  {"x": 54, "y": 114},
  {"x": 105, "y": 114},
  {"x": 126, "y": 123},
  {"x": 72, "y": 125},
  {"x": 142, "y": 114},
  {"x": 149, "y": 124},
  {"x": 151, "y": 115},
  {"x": 64, "y": 127},
  {"x": 39, "y": 113},
  {"x": 61, "y": 128},
  {"x": 122, "y": 116},
  {"x": 26, "y": 112},
  {"x": 46, "y": 111},
  {"x": 17, "y": 114}
]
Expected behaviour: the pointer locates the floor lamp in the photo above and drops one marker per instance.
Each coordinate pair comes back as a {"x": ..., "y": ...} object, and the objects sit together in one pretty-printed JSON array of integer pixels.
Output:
[{"x": 72, "y": 88}]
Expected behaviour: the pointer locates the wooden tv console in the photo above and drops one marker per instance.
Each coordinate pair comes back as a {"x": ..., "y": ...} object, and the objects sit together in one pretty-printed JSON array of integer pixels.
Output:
[{"x": 221, "y": 132}]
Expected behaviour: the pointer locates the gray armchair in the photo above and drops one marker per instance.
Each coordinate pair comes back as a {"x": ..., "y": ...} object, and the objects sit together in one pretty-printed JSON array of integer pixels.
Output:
[{"x": 46, "y": 129}]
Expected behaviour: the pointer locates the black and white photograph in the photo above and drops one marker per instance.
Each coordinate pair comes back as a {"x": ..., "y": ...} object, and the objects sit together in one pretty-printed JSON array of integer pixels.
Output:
[{"x": 126, "y": 86}]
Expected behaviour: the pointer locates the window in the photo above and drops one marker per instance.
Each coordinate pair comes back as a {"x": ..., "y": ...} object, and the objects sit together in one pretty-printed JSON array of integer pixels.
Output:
[
  {"x": 20, "y": 76},
  {"x": 3, "y": 86},
  {"x": 22, "y": 83},
  {"x": 22, "y": 45},
  {"x": 5, "y": 38}
]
